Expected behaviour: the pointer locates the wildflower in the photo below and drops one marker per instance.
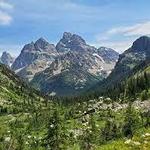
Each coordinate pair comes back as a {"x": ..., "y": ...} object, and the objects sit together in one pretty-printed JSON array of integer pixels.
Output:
[
  {"x": 128, "y": 141},
  {"x": 29, "y": 136},
  {"x": 26, "y": 143},
  {"x": 145, "y": 142},
  {"x": 51, "y": 125},
  {"x": 147, "y": 134},
  {"x": 137, "y": 143},
  {"x": 7, "y": 139}
]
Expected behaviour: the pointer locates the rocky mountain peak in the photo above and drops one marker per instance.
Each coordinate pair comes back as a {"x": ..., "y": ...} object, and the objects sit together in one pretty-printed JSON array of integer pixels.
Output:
[
  {"x": 67, "y": 35},
  {"x": 41, "y": 43},
  {"x": 142, "y": 44},
  {"x": 77, "y": 39},
  {"x": 5, "y": 54},
  {"x": 7, "y": 59},
  {"x": 108, "y": 54},
  {"x": 44, "y": 46},
  {"x": 130, "y": 62},
  {"x": 72, "y": 42},
  {"x": 28, "y": 47},
  {"x": 41, "y": 50}
]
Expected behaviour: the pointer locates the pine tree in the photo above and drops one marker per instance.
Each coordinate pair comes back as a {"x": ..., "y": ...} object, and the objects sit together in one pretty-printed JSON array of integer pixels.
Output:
[
  {"x": 86, "y": 141},
  {"x": 131, "y": 122},
  {"x": 53, "y": 139},
  {"x": 144, "y": 95}
]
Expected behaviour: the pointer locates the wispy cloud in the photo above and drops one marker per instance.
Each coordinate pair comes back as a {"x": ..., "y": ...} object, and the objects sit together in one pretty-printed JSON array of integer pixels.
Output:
[
  {"x": 5, "y": 8},
  {"x": 121, "y": 38},
  {"x": 119, "y": 46},
  {"x": 5, "y": 19},
  {"x": 134, "y": 30},
  {"x": 5, "y": 5}
]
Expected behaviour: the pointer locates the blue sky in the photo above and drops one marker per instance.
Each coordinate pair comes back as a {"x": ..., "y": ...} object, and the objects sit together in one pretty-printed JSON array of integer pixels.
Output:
[{"x": 111, "y": 23}]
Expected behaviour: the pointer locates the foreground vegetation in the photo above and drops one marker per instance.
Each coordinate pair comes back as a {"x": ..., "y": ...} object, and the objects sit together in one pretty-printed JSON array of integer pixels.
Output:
[
  {"x": 86, "y": 126},
  {"x": 30, "y": 121}
]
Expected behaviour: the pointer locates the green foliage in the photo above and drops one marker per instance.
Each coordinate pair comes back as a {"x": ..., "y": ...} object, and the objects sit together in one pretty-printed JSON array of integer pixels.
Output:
[
  {"x": 132, "y": 122},
  {"x": 54, "y": 138},
  {"x": 29, "y": 121},
  {"x": 144, "y": 95}
]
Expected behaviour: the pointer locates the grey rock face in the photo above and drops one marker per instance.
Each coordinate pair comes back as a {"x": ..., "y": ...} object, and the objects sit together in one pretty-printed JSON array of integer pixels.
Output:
[
  {"x": 135, "y": 57},
  {"x": 142, "y": 44},
  {"x": 108, "y": 54},
  {"x": 77, "y": 67},
  {"x": 73, "y": 42},
  {"x": 7, "y": 59},
  {"x": 72, "y": 66},
  {"x": 41, "y": 49},
  {"x": 42, "y": 45},
  {"x": 34, "y": 53}
]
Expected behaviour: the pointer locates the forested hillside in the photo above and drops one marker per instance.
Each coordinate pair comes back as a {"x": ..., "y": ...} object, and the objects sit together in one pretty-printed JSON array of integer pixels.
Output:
[
  {"x": 131, "y": 75},
  {"x": 30, "y": 122}
]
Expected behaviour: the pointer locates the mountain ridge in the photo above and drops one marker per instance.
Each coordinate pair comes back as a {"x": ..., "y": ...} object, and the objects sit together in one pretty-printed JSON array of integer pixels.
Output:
[
  {"x": 77, "y": 62},
  {"x": 72, "y": 54},
  {"x": 129, "y": 63}
]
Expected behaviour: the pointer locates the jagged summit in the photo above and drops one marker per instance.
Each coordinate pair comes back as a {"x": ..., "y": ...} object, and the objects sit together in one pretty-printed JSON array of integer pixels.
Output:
[
  {"x": 72, "y": 37},
  {"x": 67, "y": 35},
  {"x": 72, "y": 42},
  {"x": 142, "y": 44},
  {"x": 78, "y": 67},
  {"x": 35, "y": 54},
  {"x": 5, "y": 54},
  {"x": 108, "y": 54},
  {"x": 131, "y": 61},
  {"x": 40, "y": 45},
  {"x": 41, "y": 42},
  {"x": 71, "y": 62},
  {"x": 6, "y": 59}
]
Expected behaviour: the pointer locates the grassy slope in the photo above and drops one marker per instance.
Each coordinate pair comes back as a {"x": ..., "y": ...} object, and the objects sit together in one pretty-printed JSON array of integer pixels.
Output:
[
  {"x": 24, "y": 119},
  {"x": 18, "y": 104}
]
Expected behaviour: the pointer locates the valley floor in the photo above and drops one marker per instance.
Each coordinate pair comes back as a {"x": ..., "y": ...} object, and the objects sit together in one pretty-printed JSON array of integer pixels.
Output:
[{"x": 93, "y": 125}]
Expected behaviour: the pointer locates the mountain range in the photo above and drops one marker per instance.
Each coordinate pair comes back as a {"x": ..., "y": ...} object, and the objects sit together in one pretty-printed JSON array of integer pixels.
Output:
[
  {"x": 69, "y": 68},
  {"x": 73, "y": 66},
  {"x": 32, "y": 120},
  {"x": 132, "y": 62}
]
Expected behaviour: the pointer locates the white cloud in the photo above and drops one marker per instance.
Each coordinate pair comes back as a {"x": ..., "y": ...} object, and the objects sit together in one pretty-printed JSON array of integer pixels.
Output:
[
  {"x": 121, "y": 38},
  {"x": 5, "y": 9},
  {"x": 119, "y": 46},
  {"x": 134, "y": 30},
  {"x": 5, "y": 19},
  {"x": 5, "y": 5}
]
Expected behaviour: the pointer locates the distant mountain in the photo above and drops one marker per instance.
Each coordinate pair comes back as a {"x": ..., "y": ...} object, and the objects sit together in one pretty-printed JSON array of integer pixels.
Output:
[
  {"x": 73, "y": 42},
  {"x": 67, "y": 69},
  {"x": 130, "y": 62},
  {"x": 7, "y": 59},
  {"x": 69, "y": 74},
  {"x": 108, "y": 54},
  {"x": 77, "y": 67},
  {"x": 34, "y": 58},
  {"x": 132, "y": 58}
]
